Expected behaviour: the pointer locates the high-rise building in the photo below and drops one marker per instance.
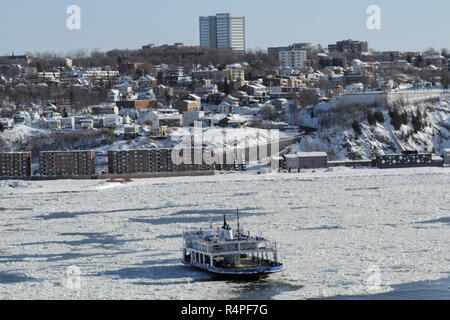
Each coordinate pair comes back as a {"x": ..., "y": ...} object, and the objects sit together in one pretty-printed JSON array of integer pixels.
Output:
[{"x": 224, "y": 30}]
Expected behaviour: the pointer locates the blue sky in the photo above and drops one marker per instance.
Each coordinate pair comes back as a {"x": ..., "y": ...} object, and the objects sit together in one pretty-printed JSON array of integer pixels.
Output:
[{"x": 31, "y": 26}]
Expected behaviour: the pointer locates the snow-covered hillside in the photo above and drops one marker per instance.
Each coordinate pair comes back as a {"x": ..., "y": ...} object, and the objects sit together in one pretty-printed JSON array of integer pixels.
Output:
[{"x": 340, "y": 141}]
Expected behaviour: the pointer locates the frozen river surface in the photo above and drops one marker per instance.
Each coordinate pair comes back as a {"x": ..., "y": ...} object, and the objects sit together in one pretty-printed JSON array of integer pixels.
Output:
[{"x": 341, "y": 232}]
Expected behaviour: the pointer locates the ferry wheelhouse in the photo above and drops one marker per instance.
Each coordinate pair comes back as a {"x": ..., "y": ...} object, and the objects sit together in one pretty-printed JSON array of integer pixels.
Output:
[{"x": 224, "y": 251}]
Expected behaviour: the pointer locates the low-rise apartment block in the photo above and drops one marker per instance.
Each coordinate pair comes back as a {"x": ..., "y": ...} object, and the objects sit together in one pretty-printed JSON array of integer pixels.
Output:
[
  {"x": 156, "y": 160},
  {"x": 67, "y": 163},
  {"x": 15, "y": 164}
]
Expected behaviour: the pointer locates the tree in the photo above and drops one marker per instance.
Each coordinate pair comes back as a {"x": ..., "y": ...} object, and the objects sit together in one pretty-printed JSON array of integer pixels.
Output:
[
  {"x": 267, "y": 112},
  {"x": 419, "y": 61},
  {"x": 417, "y": 121},
  {"x": 308, "y": 97},
  {"x": 371, "y": 119},
  {"x": 160, "y": 77},
  {"x": 357, "y": 128},
  {"x": 445, "y": 78},
  {"x": 379, "y": 116}
]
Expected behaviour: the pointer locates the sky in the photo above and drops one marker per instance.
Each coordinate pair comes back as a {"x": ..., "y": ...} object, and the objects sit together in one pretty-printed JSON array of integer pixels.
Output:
[{"x": 37, "y": 26}]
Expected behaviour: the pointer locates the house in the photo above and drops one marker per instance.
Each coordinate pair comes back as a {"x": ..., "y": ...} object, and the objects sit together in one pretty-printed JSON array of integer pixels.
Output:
[
  {"x": 207, "y": 89},
  {"x": 354, "y": 88},
  {"x": 158, "y": 131},
  {"x": 279, "y": 103},
  {"x": 189, "y": 117},
  {"x": 146, "y": 95},
  {"x": 54, "y": 124},
  {"x": 137, "y": 104},
  {"x": 21, "y": 117},
  {"x": 110, "y": 121},
  {"x": 124, "y": 88},
  {"x": 131, "y": 131},
  {"x": 256, "y": 90},
  {"x": 105, "y": 109},
  {"x": 446, "y": 153},
  {"x": 306, "y": 160},
  {"x": 67, "y": 123},
  {"x": 186, "y": 105},
  {"x": 190, "y": 102},
  {"x": 132, "y": 113},
  {"x": 7, "y": 123},
  {"x": 146, "y": 81},
  {"x": 162, "y": 117},
  {"x": 233, "y": 101},
  {"x": 207, "y": 121},
  {"x": 113, "y": 95},
  {"x": 82, "y": 122},
  {"x": 225, "y": 107}
]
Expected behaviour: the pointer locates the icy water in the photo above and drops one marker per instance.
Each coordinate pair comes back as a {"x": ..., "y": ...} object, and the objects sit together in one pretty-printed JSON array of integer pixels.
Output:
[
  {"x": 341, "y": 233},
  {"x": 424, "y": 290}
]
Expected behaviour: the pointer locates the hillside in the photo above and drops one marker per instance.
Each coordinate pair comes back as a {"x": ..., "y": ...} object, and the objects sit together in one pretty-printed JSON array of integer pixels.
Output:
[{"x": 423, "y": 126}]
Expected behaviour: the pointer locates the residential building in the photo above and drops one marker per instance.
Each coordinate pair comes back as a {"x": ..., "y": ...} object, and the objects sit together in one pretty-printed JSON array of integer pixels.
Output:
[
  {"x": 66, "y": 163},
  {"x": 224, "y": 30},
  {"x": 446, "y": 153},
  {"x": 306, "y": 160},
  {"x": 349, "y": 46},
  {"x": 307, "y": 46},
  {"x": 292, "y": 58},
  {"x": 162, "y": 117},
  {"x": 220, "y": 75},
  {"x": 15, "y": 164},
  {"x": 156, "y": 160}
]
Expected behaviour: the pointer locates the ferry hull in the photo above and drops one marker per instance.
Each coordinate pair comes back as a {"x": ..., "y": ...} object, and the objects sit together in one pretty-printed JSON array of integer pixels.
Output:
[{"x": 239, "y": 272}]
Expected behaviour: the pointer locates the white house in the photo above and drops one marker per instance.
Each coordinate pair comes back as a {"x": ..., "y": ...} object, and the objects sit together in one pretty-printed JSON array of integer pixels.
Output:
[
  {"x": 7, "y": 123},
  {"x": 354, "y": 88},
  {"x": 113, "y": 95}
]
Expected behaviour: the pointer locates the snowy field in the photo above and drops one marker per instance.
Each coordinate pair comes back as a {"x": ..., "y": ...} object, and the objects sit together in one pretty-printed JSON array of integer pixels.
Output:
[{"x": 339, "y": 232}]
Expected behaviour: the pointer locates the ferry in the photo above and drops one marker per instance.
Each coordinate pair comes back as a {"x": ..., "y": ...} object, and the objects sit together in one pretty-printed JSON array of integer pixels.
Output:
[{"x": 226, "y": 252}]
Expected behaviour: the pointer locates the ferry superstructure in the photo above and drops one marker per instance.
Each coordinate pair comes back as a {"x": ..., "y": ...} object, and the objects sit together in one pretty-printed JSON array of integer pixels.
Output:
[{"x": 224, "y": 251}]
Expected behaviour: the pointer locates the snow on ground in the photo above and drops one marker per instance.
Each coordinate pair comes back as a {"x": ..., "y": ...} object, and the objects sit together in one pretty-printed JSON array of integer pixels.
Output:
[
  {"x": 340, "y": 142},
  {"x": 332, "y": 227}
]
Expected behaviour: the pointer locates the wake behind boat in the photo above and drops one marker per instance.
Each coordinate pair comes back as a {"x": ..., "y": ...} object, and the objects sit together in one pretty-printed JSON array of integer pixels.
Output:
[{"x": 224, "y": 251}]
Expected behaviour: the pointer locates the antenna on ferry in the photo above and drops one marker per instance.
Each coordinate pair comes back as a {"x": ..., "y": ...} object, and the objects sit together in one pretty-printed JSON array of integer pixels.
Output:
[{"x": 238, "y": 230}]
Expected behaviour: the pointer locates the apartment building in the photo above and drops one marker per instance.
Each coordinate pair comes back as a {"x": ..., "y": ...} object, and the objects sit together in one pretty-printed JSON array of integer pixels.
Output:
[
  {"x": 349, "y": 46},
  {"x": 224, "y": 30},
  {"x": 67, "y": 163},
  {"x": 219, "y": 75},
  {"x": 15, "y": 164},
  {"x": 156, "y": 160},
  {"x": 292, "y": 58}
]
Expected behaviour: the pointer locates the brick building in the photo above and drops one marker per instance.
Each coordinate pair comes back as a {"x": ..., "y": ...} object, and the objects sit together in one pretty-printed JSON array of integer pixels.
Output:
[
  {"x": 15, "y": 164},
  {"x": 138, "y": 104},
  {"x": 66, "y": 163},
  {"x": 154, "y": 160}
]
